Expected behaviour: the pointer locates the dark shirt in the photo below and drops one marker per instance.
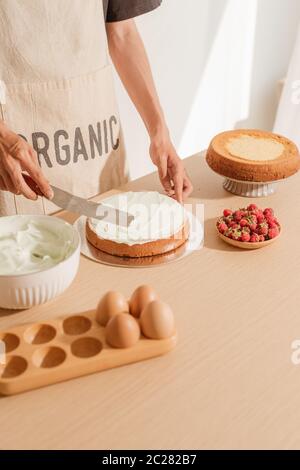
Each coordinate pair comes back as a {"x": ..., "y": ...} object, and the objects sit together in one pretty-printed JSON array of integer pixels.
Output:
[{"x": 118, "y": 10}]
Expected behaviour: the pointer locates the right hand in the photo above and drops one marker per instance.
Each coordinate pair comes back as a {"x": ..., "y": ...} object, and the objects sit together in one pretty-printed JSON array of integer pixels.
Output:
[{"x": 16, "y": 155}]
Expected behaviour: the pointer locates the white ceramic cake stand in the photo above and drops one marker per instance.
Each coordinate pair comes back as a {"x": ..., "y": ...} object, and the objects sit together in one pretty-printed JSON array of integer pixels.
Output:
[
  {"x": 250, "y": 188},
  {"x": 194, "y": 243}
]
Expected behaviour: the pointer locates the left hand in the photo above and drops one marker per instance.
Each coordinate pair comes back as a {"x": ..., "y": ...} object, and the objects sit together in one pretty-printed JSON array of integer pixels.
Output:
[{"x": 172, "y": 173}]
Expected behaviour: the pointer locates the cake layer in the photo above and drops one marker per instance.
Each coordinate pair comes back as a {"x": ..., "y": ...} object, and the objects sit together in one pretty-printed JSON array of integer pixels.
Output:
[
  {"x": 251, "y": 148},
  {"x": 139, "y": 250},
  {"x": 253, "y": 155},
  {"x": 156, "y": 217},
  {"x": 159, "y": 226}
]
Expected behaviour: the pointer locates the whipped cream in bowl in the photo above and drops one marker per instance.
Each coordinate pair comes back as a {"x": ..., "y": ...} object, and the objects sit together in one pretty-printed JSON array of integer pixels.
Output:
[
  {"x": 31, "y": 244},
  {"x": 39, "y": 258}
]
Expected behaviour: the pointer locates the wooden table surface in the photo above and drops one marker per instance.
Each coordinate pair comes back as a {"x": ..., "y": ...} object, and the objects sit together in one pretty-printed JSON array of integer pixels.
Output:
[{"x": 230, "y": 383}]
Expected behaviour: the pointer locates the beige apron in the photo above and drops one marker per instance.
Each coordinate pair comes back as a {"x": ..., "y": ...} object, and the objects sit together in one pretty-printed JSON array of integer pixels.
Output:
[{"x": 60, "y": 96}]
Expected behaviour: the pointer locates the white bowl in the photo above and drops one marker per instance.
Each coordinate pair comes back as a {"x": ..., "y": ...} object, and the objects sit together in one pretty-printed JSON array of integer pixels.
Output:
[{"x": 24, "y": 290}]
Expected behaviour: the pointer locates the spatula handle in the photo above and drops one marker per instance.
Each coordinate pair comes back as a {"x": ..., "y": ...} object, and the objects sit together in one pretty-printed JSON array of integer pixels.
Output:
[{"x": 32, "y": 184}]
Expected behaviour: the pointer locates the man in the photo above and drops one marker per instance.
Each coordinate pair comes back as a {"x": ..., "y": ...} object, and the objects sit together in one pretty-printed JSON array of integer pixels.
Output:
[{"x": 59, "y": 120}]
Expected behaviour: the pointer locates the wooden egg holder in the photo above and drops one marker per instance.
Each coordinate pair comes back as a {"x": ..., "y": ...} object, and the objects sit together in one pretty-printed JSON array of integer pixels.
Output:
[{"x": 40, "y": 354}]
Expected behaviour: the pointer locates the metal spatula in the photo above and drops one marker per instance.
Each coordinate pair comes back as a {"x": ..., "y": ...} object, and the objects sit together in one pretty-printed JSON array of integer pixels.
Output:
[{"x": 81, "y": 206}]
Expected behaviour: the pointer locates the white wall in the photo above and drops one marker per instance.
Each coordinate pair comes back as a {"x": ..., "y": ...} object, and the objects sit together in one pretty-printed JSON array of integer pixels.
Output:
[
  {"x": 288, "y": 115},
  {"x": 276, "y": 32},
  {"x": 216, "y": 64}
]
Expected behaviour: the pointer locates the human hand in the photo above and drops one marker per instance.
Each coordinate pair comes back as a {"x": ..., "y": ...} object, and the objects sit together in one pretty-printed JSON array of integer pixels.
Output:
[
  {"x": 16, "y": 155},
  {"x": 172, "y": 173}
]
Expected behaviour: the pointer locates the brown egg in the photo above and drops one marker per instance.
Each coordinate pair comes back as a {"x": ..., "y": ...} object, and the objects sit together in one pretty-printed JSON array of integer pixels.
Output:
[
  {"x": 110, "y": 305},
  {"x": 141, "y": 297},
  {"x": 157, "y": 320},
  {"x": 122, "y": 331}
]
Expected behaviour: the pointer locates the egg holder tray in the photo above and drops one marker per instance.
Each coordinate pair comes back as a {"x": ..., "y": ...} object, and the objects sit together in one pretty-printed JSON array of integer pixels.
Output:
[{"x": 41, "y": 354}]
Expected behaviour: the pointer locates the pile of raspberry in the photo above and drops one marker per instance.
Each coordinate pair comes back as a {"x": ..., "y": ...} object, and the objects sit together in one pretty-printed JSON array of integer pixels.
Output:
[{"x": 250, "y": 225}]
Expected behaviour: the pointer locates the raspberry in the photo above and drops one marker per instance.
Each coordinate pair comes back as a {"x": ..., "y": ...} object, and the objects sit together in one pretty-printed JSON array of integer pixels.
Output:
[
  {"x": 245, "y": 237},
  {"x": 222, "y": 227},
  {"x": 238, "y": 215},
  {"x": 254, "y": 238},
  {"x": 234, "y": 225},
  {"x": 227, "y": 212},
  {"x": 276, "y": 222},
  {"x": 257, "y": 212},
  {"x": 272, "y": 224},
  {"x": 228, "y": 233},
  {"x": 244, "y": 223},
  {"x": 236, "y": 235},
  {"x": 252, "y": 207},
  {"x": 261, "y": 238},
  {"x": 270, "y": 218},
  {"x": 263, "y": 229},
  {"x": 268, "y": 212},
  {"x": 260, "y": 218},
  {"x": 273, "y": 233},
  {"x": 252, "y": 221}
]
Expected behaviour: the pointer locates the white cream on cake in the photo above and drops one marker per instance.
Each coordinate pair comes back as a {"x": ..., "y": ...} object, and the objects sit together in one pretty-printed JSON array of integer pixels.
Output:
[
  {"x": 31, "y": 247},
  {"x": 157, "y": 217},
  {"x": 255, "y": 149}
]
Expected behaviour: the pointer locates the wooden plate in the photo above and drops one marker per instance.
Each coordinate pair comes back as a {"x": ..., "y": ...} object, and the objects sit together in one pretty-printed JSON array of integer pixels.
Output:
[{"x": 247, "y": 245}]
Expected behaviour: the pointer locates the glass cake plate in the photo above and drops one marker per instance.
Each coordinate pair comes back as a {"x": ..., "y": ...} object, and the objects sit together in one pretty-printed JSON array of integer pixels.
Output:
[{"x": 194, "y": 243}]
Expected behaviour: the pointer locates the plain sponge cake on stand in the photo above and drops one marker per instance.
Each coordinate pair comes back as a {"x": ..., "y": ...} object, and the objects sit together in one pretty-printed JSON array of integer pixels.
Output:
[{"x": 251, "y": 160}]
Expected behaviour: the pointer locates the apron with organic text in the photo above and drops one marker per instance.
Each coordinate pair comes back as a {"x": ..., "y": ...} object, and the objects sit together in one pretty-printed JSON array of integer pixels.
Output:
[{"x": 60, "y": 96}]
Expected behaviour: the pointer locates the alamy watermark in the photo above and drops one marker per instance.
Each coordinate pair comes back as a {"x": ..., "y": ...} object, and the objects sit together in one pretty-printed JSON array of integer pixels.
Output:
[
  {"x": 153, "y": 221},
  {"x": 2, "y": 353},
  {"x": 295, "y": 357},
  {"x": 295, "y": 96}
]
